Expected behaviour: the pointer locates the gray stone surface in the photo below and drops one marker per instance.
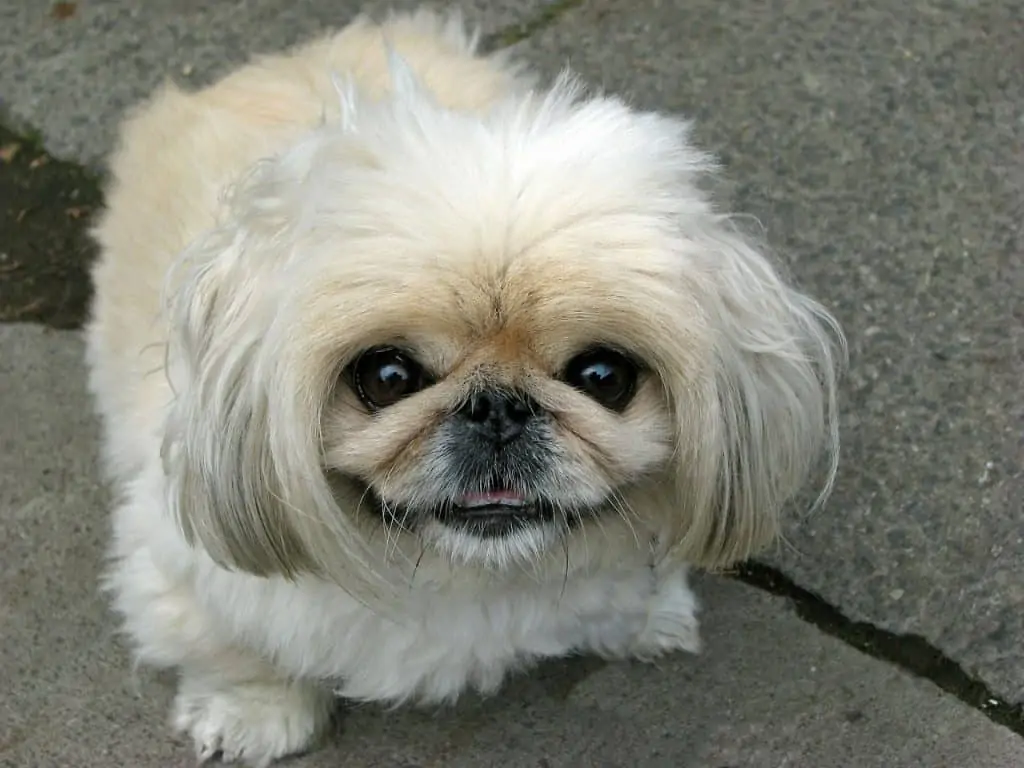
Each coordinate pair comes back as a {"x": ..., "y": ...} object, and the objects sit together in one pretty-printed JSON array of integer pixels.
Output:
[
  {"x": 70, "y": 77},
  {"x": 881, "y": 145},
  {"x": 769, "y": 691}
]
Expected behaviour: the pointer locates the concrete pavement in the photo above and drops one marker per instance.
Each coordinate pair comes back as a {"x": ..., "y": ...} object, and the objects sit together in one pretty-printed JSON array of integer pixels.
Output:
[
  {"x": 881, "y": 146},
  {"x": 883, "y": 151},
  {"x": 769, "y": 691}
]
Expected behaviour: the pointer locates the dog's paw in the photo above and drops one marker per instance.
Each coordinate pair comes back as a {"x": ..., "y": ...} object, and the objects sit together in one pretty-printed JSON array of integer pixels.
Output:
[
  {"x": 672, "y": 623},
  {"x": 250, "y": 723}
]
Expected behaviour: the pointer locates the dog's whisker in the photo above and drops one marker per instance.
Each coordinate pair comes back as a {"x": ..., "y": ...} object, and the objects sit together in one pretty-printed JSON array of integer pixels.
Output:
[
  {"x": 565, "y": 571},
  {"x": 416, "y": 566},
  {"x": 625, "y": 511}
]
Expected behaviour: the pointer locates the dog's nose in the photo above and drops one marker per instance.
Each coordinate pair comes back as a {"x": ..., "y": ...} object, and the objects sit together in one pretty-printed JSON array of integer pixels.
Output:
[{"x": 498, "y": 415}]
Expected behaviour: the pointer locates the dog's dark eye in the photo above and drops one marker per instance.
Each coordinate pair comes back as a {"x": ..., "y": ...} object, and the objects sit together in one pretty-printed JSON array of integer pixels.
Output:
[
  {"x": 607, "y": 376},
  {"x": 385, "y": 375}
]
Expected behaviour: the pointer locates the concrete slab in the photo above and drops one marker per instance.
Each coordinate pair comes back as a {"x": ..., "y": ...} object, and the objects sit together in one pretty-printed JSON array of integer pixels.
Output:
[
  {"x": 69, "y": 69},
  {"x": 881, "y": 145},
  {"x": 769, "y": 691}
]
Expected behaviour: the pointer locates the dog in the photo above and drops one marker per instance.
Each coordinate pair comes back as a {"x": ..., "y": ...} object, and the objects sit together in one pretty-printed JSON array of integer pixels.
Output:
[{"x": 413, "y": 372}]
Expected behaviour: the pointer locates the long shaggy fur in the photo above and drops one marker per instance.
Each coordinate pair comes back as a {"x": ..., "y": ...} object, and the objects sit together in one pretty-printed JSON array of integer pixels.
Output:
[{"x": 388, "y": 182}]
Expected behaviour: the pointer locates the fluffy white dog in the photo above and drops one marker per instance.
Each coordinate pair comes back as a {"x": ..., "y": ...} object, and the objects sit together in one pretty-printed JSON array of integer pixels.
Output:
[{"x": 413, "y": 373}]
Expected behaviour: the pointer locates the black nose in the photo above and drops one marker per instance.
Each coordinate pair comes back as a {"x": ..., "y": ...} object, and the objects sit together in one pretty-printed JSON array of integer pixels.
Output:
[{"x": 498, "y": 415}]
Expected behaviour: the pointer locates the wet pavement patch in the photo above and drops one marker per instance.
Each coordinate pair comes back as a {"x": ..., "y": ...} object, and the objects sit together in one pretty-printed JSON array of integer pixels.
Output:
[{"x": 46, "y": 208}]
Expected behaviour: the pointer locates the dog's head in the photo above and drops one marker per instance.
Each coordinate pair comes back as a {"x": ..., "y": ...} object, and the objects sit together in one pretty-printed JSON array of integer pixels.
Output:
[{"x": 485, "y": 333}]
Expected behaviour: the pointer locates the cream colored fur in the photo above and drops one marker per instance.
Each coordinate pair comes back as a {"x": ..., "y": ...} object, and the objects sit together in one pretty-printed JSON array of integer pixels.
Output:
[{"x": 389, "y": 182}]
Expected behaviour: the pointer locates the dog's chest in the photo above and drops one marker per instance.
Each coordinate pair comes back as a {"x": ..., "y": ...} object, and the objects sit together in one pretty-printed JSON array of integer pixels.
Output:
[{"x": 448, "y": 640}]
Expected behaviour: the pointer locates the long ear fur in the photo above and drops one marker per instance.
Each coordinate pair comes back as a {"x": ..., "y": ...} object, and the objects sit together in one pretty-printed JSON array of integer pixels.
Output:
[
  {"x": 769, "y": 410},
  {"x": 242, "y": 448}
]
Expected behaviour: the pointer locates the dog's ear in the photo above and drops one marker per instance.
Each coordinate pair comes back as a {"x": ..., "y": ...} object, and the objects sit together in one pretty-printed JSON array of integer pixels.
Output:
[
  {"x": 226, "y": 487},
  {"x": 767, "y": 411},
  {"x": 242, "y": 448}
]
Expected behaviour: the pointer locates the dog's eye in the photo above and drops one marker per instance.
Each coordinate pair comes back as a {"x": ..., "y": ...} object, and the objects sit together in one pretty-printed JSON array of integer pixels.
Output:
[
  {"x": 384, "y": 375},
  {"x": 607, "y": 376}
]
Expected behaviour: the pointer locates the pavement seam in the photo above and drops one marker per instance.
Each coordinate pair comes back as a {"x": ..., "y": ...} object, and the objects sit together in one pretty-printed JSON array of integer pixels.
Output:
[
  {"x": 515, "y": 33},
  {"x": 911, "y": 653}
]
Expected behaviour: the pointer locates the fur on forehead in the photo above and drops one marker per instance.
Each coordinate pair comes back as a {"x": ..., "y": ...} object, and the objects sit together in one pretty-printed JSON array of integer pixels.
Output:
[
  {"x": 555, "y": 208},
  {"x": 530, "y": 159}
]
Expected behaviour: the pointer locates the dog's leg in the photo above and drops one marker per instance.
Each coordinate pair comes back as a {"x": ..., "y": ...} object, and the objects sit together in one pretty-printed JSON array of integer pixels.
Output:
[
  {"x": 233, "y": 703},
  {"x": 241, "y": 711},
  {"x": 641, "y": 613},
  {"x": 672, "y": 623}
]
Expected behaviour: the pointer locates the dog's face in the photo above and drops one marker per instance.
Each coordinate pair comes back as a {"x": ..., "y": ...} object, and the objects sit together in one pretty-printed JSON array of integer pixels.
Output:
[
  {"x": 485, "y": 334},
  {"x": 498, "y": 405}
]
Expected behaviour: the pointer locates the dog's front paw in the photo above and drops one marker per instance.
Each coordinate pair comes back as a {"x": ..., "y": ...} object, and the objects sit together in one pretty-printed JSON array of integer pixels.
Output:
[
  {"x": 250, "y": 723},
  {"x": 672, "y": 623}
]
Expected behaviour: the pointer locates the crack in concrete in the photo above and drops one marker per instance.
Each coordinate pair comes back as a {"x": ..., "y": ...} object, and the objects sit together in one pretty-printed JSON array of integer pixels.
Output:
[
  {"x": 912, "y": 653},
  {"x": 546, "y": 17}
]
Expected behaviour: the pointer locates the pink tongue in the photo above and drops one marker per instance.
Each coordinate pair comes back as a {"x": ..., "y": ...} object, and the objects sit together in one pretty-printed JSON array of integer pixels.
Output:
[{"x": 491, "y": 497}]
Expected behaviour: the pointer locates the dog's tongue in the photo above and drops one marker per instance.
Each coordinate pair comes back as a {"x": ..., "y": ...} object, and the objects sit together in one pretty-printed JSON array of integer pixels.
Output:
[{"x": 491, "y": 499}]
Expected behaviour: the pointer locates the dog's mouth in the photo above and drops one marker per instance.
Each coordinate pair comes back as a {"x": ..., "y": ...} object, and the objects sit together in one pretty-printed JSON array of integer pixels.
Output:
[
  {"x": 494, "y": 513},
  {"x": 492, "y": 500},
  {"x": 486, "y": 514}
]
